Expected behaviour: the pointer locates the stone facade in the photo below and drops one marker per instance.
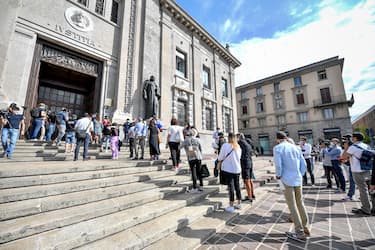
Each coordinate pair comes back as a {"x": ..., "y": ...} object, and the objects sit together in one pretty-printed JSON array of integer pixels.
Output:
[
  {"x": 309, "y": 101},
  {"x": 103, "y": 55}
]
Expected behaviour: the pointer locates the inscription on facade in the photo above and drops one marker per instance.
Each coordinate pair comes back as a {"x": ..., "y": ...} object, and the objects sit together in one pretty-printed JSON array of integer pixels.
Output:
[
  {"x": 65, "y": 60},
  {"x": 74, "y": 35}
]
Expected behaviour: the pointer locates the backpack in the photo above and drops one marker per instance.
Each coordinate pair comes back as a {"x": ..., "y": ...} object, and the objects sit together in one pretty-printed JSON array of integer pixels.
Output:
[
  {"x": 34, "y": 112},
  {"x": 366, "y": 159}
]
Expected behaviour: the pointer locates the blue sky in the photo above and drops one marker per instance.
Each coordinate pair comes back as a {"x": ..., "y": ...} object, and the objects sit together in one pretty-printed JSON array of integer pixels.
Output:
[{"x": 273, "y": 36}]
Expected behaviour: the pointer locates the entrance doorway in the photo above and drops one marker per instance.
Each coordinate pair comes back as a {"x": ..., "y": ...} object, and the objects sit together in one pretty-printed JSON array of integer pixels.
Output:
[
  {"x": 60, "y": 87},
  {"x": 63, "y": 78}
]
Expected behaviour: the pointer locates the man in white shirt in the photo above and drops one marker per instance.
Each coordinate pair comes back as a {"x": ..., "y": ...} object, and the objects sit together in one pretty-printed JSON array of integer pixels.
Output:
[
  {"x": 86, "y": 124},
  {"x": 306, "y": 151},
  {"x": 360, "y": 176}
]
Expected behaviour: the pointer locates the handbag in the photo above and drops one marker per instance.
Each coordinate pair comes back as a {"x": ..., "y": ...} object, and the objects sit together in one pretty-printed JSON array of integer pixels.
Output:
[
  {"x": 204, "y": 171},
  {"x": 81, "y": 133}
]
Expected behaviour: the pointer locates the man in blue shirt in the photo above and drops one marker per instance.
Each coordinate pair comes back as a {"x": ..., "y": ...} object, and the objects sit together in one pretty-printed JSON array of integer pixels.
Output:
[
  {"x": 13, "y": 125},
  {"x": 335, "y": 152},
  {"x": 290, "y": 167},
  {"x": 61, "y": 118}
]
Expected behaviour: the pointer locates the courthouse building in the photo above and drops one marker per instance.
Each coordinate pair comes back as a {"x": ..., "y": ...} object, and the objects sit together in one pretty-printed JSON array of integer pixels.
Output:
[
  {"x": 308, "y": 101},
  {"x": 94, "y": 56}
]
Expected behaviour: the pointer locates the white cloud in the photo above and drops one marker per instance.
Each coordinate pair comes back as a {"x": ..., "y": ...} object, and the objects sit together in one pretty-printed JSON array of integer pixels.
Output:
[{"x": 349, "y": 34}]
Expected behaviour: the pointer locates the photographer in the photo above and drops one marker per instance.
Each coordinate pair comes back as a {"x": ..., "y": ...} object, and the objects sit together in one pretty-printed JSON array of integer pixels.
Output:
[{"x": 13, "y": 125}]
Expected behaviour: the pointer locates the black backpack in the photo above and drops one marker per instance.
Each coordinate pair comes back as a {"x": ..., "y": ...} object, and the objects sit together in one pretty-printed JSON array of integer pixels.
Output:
[{"x": 34, "y": 112}]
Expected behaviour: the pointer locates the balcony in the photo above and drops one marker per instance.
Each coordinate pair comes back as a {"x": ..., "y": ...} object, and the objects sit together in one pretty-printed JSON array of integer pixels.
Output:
[{"x": 341, "y": 99}]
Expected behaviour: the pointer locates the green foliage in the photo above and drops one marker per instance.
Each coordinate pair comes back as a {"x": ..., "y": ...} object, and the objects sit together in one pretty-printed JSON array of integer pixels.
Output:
[{"x": 363, "y": 131}]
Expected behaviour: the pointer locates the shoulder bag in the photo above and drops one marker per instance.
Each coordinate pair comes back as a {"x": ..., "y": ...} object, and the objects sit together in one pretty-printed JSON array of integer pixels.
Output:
[{"x": 81, "y": 133}]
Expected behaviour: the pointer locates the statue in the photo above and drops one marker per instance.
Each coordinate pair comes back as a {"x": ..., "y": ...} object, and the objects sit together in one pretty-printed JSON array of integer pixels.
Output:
[{"x": 151, "y": 94}]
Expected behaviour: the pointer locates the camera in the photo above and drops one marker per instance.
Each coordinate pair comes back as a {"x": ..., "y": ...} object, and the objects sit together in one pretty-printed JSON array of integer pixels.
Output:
[{"x": 3, "y": 113}]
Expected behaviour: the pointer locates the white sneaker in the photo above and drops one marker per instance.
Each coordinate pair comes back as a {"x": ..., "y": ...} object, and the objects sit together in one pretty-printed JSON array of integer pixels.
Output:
[
  {"x": 194, "y": 191},
  {"x": 229, "y": 209},
  {"x": 237, "y": 206}
]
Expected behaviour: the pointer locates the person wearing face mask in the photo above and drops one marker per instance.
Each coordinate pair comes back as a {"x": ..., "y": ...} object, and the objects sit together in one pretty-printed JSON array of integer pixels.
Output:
[
  {"x": 306, "y": 151},
  {"x": 335, "y": 152}
]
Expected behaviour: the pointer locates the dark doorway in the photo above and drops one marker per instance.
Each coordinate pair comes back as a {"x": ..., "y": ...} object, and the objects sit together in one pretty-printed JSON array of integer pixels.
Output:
[{"x": 61, "y": 87}]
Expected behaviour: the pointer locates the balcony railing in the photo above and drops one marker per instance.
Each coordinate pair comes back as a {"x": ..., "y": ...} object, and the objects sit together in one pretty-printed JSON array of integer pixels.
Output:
[{"x": 341, "y": 99}]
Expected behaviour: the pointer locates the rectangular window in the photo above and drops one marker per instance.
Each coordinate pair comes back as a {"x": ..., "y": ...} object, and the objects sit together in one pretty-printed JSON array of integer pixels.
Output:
[
  {"x": 259, "y": 91},
  {"x": 297, "y": 81},
  {"x": 302, "y": 117},
  {"x": 99, "y": 7},
  {"x": 209, "y": 119},
  {"x": 227, "y": 123},
  {"x": 322, "y": 75},
  {"x": 325, "y": 95},
  {"x": 224, "y": 87},
  {"x": 181, "y": 111},
  {"x": 114, "y": 11},
  {"x": 83, "y": 2},
  {"x": 245, "y": 124},
  {"x": 244, "y": 110},
  {"x": 276, "y": 86},
  {"x": 206, "y": 77},
  {"x": 300, "y": 99},
  {"x": 243, "y": 95},
  {"x": 281, "y": 120},
  {"x": 180, "y": 64},
  {"x": 262, "y": 122},
  {"x": 328, "y": 114},
  {"x": 260, "y": 107}
]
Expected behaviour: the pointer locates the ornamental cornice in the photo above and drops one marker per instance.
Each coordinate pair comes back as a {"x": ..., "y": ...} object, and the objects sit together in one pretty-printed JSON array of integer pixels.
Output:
[{"x": 185, "y": 19}]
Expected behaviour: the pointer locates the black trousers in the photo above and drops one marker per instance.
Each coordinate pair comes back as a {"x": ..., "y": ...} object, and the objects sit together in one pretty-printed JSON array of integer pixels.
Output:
[
  {"x": 328, "y": 170},
  {"x": 233, "y": 185},
  {"x": 195, "y": 168},
  {"x": 310, "y": 170},
  {"x": 175, "y": 152}
]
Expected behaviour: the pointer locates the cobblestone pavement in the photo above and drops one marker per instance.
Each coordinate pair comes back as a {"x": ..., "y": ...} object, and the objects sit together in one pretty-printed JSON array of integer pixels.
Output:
[{"x": 263, "y": 226}]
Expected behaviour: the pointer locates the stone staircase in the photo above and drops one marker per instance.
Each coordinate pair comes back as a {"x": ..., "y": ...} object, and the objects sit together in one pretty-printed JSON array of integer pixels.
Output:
[{"x": 105, "y": 204}]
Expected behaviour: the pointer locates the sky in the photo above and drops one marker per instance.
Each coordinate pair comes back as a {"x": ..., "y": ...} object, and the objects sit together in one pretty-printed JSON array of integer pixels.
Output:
[{"x": 274, "y": 36}]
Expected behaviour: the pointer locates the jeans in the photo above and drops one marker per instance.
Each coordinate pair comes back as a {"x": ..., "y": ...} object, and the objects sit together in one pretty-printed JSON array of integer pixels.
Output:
[
  {"x": 85, "y": 142},
  {"x": 338, "y": 170},
  {"x": 51, "y": 130},
  {"x": 37, "y": 125},
  {"x": 175, "y": 152},
  {"x": 233, "y": 184},
  {"x": 61, "y": 134},
  {"x": 105, "y": 142},
  {"x": 352, "y": 184},
  {"x": 293, "y": 197},
  {"x": 310, "y": 169},
  {"x": 12, "y": 133},
  {"x": 195, "y": 168}
]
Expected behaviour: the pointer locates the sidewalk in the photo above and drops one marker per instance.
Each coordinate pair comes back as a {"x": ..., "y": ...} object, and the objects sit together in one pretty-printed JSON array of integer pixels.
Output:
[{"x": 263, "y": 226}]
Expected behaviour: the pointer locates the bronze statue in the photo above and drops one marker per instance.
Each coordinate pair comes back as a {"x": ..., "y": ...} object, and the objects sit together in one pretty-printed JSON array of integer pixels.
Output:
[{"x": 151, "y": 94}]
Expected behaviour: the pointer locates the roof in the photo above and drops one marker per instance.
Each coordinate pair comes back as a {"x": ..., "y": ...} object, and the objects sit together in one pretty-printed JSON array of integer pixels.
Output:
[
  {"x": 364, "y": 114},
  {"x": 329, "y": 62},
  {"x": 185, "y": 19}
]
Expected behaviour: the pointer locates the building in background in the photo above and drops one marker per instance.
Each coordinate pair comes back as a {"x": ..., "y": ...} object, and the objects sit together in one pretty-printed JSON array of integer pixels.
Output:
[
  {"x": 366, "y": 124},
  {"x": 95, "y": 55},
  {"x": 308, "y": 101}
]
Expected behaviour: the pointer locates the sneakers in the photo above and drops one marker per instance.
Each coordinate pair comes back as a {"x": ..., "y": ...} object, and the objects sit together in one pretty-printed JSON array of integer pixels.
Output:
[
  {"x": 313, "y": 185},
  {"x": 347, "y": 198},
  {"x": 237, "y": 206},
  {"x": 301, "y": 237},
  {"x": 307, "y": 232},
  {"x": 201, "y": 188},
  {"x": 229, "y": 209},
  {"x": 339, "y": 191},
  {"x": 193, "y": 191}
]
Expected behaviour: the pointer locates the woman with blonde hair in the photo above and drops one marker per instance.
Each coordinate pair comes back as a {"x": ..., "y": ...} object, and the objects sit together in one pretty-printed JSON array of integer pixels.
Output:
[{"x": 230, "y": 155}]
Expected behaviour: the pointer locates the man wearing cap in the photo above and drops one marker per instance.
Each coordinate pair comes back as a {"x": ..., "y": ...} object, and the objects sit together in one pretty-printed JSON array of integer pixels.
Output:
[
  {"x": 84, "y": 123},
  {"x": 335, "y": 152},
  {"x": 360, "y": 176},
  {"x": 290, "y": 167},
  {"x": 13, "y": 125}
]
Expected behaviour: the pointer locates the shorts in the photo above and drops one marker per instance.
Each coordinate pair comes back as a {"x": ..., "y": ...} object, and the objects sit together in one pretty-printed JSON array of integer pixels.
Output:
[
  {"x": 70, "y": 137},
  {"x": 247, "y": 173}
]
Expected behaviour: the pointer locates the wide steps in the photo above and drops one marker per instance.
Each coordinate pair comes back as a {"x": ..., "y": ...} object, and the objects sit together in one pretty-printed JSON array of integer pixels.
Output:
[{"x": 81, "y": 233}]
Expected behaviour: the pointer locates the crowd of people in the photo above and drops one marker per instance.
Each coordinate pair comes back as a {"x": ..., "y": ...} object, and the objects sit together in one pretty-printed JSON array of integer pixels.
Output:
[{"x": 343, "y": 158}]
